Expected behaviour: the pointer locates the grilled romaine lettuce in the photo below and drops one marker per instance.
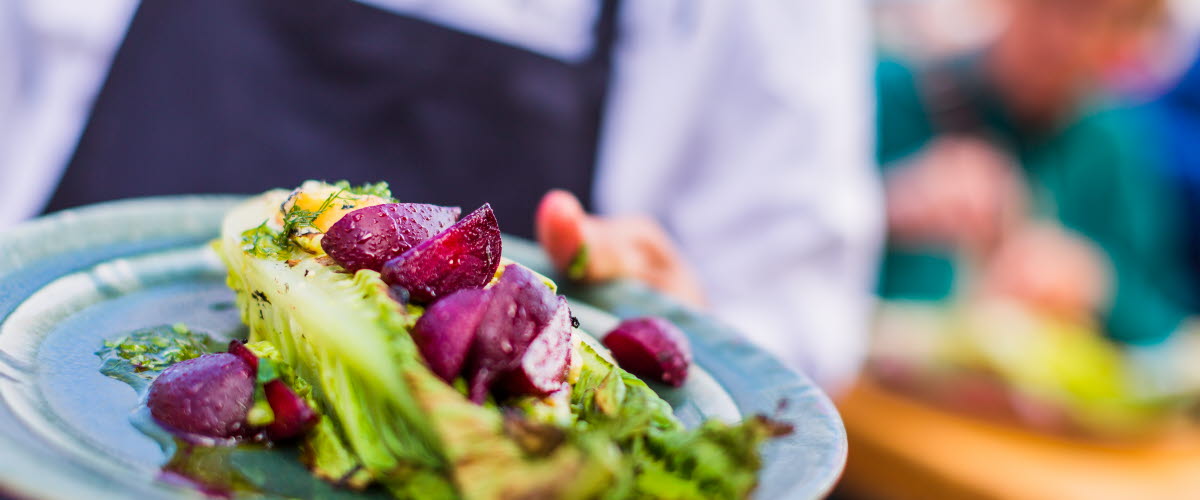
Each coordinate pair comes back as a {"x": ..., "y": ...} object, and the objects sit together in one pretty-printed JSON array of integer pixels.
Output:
[{"x": 389, "y": 420}]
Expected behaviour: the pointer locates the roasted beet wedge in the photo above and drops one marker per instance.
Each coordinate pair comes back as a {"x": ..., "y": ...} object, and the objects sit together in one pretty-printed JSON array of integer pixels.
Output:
[
  {"x": 520, "y": 307},
  {"x": 445, "y": 332},
  {"x": 293, "y": 416},
  {"x": 208, "y": 396},
  {"x": 465, "y": 255},
  {"x": 543, "y": 368},
  {"x": 651, "y": 347},
  {"x": 368, "y": 237}
]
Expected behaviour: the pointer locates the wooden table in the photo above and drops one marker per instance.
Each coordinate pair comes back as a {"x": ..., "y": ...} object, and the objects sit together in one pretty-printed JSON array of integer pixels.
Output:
[{"x": 902, "y": 449}]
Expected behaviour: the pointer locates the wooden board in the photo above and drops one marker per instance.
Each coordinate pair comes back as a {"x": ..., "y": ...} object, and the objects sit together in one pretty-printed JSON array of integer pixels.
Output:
[{"x": 902, "y": 449}]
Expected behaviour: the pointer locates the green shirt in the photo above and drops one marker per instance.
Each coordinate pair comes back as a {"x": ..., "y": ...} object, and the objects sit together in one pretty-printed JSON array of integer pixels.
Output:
[{"x": 1096, "y": 176}]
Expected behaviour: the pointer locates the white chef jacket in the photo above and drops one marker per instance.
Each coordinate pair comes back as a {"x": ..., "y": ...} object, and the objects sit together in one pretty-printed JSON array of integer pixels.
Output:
[{"x": 743, "y": 126}]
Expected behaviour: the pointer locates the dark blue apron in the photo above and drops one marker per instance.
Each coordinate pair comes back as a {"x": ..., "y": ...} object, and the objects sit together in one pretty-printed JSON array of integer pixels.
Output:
[{"x": 238, "y": 96}]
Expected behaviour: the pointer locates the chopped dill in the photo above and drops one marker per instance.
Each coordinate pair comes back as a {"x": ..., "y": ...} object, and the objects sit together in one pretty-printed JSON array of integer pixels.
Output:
[
  {"x": 264, "y": 242},
  {"x": 297, "y": 218}
]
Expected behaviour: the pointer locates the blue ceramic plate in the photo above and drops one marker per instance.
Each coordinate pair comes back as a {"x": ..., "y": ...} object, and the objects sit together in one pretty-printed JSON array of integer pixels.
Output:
[{"x": 71, "y": 280}]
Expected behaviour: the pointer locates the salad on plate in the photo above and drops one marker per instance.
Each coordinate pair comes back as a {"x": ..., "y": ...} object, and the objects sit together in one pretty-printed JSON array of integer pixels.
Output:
[{"x": 396, "y": 350}]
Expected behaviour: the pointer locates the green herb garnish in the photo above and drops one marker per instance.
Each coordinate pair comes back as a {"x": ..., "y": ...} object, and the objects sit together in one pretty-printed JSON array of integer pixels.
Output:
[
  {"x": 264, "y": 242},
  {"x": 297, "y": 218},
  {"x": 380, "y": 189},
  {"x": 139, "y": 357},
  {"x": 149, "y": 350}
]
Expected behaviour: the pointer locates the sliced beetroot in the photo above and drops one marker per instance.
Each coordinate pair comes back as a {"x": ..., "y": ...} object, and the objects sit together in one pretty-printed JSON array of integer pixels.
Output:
[
  {"x": 368, "y": 237},
  {"x": 520, "y": 307},
  {"x": 445, "y": 332},
  {"x": 239, "y": 349},
  {"x": 207, "y": 396},
  {"x": 651, "y": 347},
  {"x": 465, "y": 255},
  {"x": 543, "y": 368},
  {"x": 293, "y": 416}
]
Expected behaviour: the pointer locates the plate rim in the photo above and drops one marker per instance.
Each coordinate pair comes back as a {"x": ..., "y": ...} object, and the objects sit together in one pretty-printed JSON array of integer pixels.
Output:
[{"x": 23, "y": 479}]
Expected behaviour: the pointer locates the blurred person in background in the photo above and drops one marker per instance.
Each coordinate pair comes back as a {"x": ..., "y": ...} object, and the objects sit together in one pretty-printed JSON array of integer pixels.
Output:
[
  {"x": 738, "y": 130},
  {"x": 1010, "y": 173},
  {"x": 1029, "y": 205}
]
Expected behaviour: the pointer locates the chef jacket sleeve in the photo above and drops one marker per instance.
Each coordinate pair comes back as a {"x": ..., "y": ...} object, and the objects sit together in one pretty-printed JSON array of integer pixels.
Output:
[{"x": 746, "y": 128}]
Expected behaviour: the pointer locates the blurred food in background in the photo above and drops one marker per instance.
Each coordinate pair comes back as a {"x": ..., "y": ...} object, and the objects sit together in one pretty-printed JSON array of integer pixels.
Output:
[
  {"x": 1036, "y": 335},
  {"x": 1041, "y": 262},
  {"x": 1002, "y": 362}
]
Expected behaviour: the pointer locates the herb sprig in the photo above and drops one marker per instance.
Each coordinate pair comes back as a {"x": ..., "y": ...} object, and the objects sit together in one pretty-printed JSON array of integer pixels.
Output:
[
  {"x": 296, "y": 218},
  {"x": 266, "y": 242}
]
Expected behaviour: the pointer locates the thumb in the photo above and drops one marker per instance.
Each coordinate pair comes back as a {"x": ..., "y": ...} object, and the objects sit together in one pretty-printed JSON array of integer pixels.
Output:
[
  {"x": 572, "y": 238},
  {"x": 597, "y": 249},
  {"x": 560, "y": 222}
]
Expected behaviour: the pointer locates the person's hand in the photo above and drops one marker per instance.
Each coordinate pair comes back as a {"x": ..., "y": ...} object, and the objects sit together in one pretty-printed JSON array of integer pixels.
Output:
[
  {"x": 959, "y": 192},
  {"x": 592, "y": 249},
  {"x": 1049, "y": 269}
]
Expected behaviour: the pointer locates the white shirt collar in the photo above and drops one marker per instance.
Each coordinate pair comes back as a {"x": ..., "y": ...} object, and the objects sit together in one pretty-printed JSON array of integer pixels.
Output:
[{"x": 561, "y": 29}]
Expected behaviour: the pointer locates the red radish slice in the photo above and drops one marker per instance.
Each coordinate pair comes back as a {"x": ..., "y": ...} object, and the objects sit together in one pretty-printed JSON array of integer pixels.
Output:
[
  {"x": 445, "y": 332},
  {"x": 651, "y": 347},
  {"x": 207, "y": 396},
  {"x": 465, "y": 255},
  {"x": 368, "y": 237}
]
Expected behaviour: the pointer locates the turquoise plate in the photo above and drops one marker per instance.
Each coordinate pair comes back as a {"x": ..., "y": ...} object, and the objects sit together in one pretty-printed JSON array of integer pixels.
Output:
[{"x": 73, "y": 279}]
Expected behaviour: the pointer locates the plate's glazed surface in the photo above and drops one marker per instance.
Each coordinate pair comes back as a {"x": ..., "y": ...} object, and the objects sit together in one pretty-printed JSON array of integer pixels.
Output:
[{"x": 69, "y": 281}]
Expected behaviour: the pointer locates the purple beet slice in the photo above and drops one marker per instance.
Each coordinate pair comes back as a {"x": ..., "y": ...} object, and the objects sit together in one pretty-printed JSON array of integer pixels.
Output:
[
  {"x": 651, "y": 347},
  {"x": 293, "y": 416},
  {"x": 520, "y": 307},
  {"x": 368, "y": 237},
  {"x": 465, "y": 255},
  {"x": 445, "y": 332},
  {"x": 207, "y": 396},
  {"x": 543, "y": 368}
]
